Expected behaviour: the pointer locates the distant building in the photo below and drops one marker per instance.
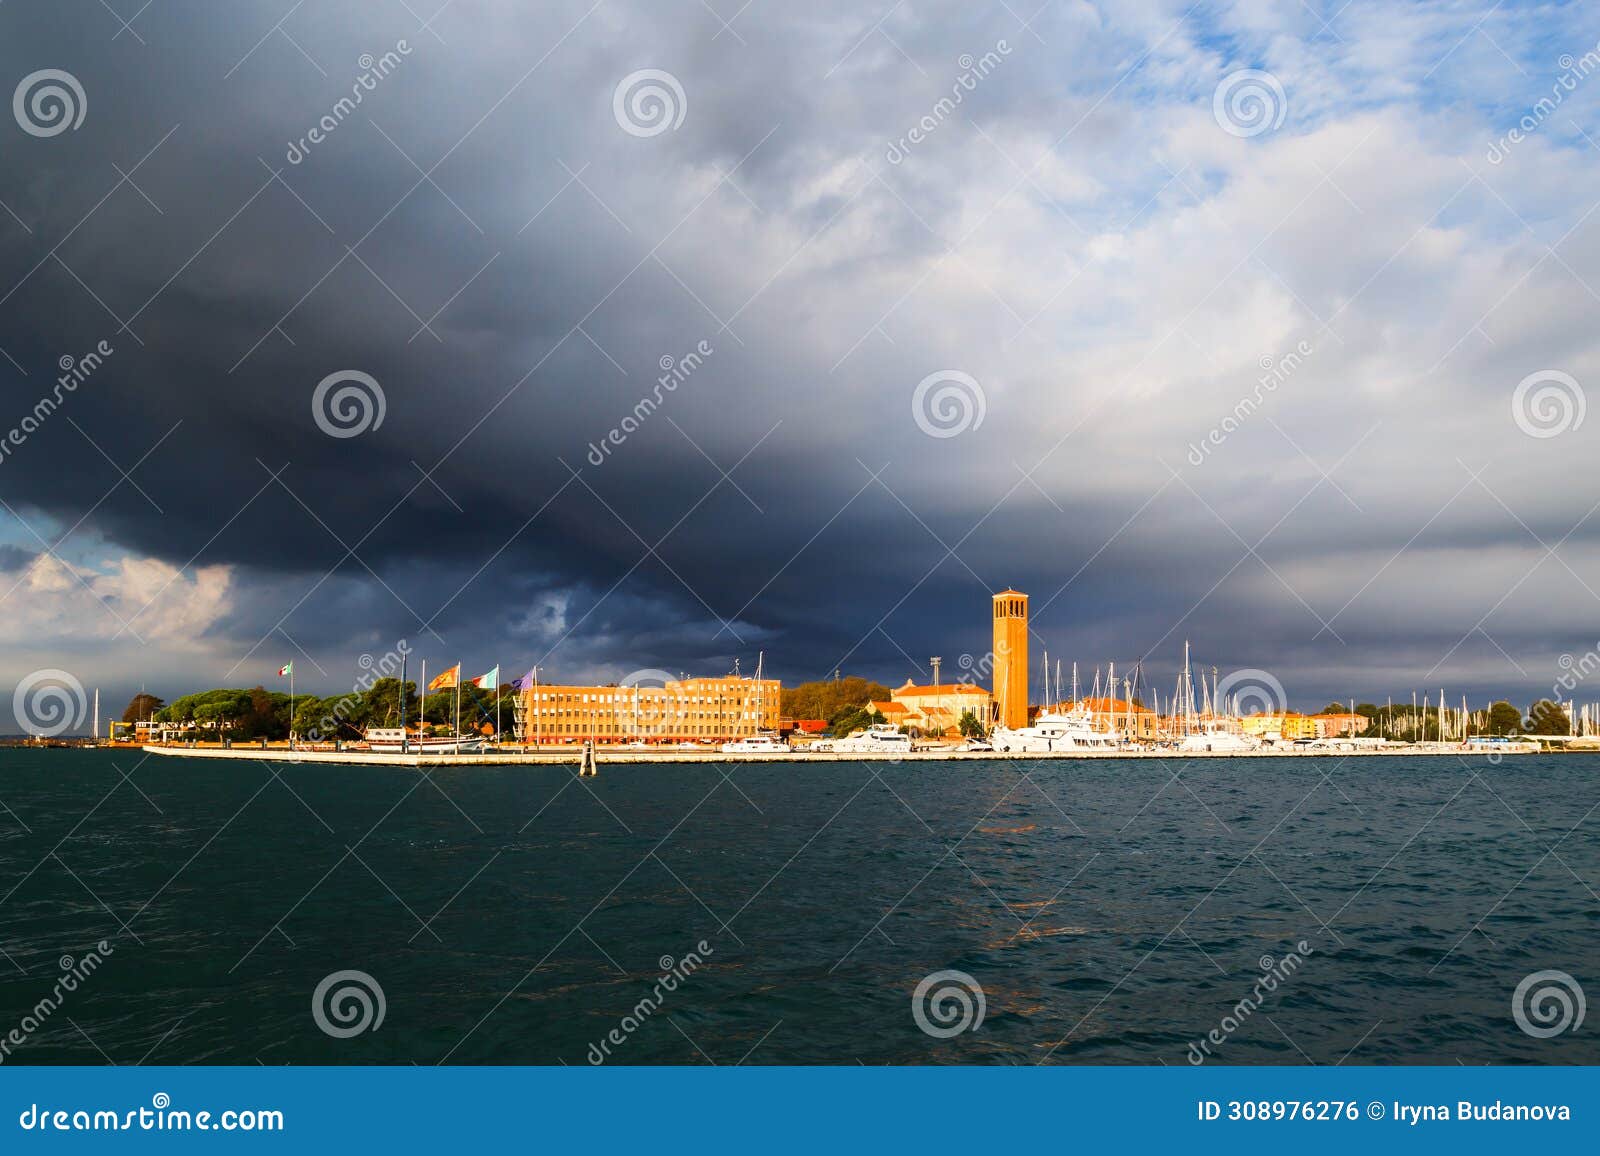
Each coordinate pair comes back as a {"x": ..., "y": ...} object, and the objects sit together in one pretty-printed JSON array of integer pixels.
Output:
[
  {"x": 937, "y": 710},
  {"x": 1289, "y": 725},
  {"x": 685, "y": 710},
  {"x": 1133, "y": 722},
  {"x": 1011, "y": 658},
  {"x": 890, "y": 711},
  {"x": 1332, "y": 726}
]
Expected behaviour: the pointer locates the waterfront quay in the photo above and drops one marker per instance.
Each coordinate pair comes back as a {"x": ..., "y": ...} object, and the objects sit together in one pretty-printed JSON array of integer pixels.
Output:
[{"x": 556, "y": 756}]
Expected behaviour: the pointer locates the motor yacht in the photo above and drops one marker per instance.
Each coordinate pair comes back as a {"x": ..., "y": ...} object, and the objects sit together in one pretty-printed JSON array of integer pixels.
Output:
[
  {"x": 756, "y": 745},
  {"x": 1216, "y": 738},
  {"x": 1052, "y": 732},
  {"x": 877, "y": 739}
]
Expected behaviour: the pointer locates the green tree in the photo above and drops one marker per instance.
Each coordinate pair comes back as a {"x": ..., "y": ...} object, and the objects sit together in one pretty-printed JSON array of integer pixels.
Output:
[
  {"x": 267, "y": 716},
  {"x": 1504, "y": 719},
  {"x": 216, "y": 703},
  {"x": 141, "y": 707},
  {"x": 439, "y": 708},
  {"x": 1548, "y": 718},
  {"x": 218, "y": 711},
  {"x": 969, "y": 725},
  {"x": 345, "y": 716},
  {"x": 477, "y": 709},
  {"x": 313, "y": 718},
  {"x": 850, "y": 719},
  {"x": 828, "y": 697},
  {"x": 325, "y": 719},
  {"x": 381, "y": 703}
]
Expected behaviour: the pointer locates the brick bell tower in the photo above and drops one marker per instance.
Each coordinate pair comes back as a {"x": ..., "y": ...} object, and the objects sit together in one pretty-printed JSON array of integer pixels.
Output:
[{"x": 1011, "y": 658}]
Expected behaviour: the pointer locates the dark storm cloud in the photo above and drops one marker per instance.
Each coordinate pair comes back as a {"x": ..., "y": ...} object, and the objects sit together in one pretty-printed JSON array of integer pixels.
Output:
[
  {"x": 517, "y": 301},
  {"x": 13, "y": 558}
]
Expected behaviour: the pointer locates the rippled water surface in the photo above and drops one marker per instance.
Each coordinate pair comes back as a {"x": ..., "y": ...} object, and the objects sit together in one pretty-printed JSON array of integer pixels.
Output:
[{"x": 1112, "y": 912}]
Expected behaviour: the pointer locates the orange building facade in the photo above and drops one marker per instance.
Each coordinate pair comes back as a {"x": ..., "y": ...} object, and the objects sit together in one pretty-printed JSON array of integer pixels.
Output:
[
  {"x": 1133, "y": 722},
  {"x": 1288, "y": 725},
  {"x": 934, "y": 710},
  {"x": 682, "y": 710},
  {"x": 1333, "y": 726}
]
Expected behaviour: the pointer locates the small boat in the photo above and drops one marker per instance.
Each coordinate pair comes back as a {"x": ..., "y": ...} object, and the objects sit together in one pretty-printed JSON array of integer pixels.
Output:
[
  {"x": 394, "y": 740},
  {"x": 756, "y": 745},
  {"x": 1505, "y": 744}
]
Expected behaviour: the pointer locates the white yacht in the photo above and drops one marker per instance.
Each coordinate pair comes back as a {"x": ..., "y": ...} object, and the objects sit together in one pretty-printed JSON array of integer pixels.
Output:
[
  {"x": 756, "y": 745},
  {"x": 1216, "y": 738},
  {"x": 1052, "y": 732},
  {"x": 392, "y": 740},
  {"x": 877, "y": 739}
]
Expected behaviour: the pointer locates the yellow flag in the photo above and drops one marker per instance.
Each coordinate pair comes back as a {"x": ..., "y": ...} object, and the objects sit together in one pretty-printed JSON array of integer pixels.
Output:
[{"x": 448, "y": 679}]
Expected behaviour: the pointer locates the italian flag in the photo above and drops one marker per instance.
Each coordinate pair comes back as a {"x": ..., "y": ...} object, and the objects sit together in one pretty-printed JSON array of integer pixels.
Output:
[{"x": 285, "y": 670}]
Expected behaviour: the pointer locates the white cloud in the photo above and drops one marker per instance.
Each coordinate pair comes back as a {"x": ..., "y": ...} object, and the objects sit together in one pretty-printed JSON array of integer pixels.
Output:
[{"x": 56, "y": 603}]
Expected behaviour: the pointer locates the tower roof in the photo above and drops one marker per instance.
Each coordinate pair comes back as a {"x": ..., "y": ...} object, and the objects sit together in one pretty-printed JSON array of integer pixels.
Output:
[{"x": 1010, "y": 593}]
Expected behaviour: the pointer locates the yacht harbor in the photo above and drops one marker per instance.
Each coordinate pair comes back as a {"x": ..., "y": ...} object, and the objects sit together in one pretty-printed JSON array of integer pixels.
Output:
[
  {"x": 652, "y": 716},
  {"x": 575, "y": 756}
]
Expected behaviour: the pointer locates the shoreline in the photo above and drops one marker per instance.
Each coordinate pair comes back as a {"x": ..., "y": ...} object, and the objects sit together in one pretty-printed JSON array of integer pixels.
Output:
[{"x": 572, "y": 755}]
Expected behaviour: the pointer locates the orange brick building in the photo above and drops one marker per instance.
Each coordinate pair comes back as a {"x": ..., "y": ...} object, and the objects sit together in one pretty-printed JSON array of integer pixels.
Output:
[{"x": 681, "y": 710}]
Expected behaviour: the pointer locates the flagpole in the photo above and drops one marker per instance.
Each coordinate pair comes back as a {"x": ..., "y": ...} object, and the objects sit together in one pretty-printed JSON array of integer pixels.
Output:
[
  {"x": 497, "y": 706},
  {"x": 458, "y": 706},
  {"x": 291, "y": 705},
  {"x": 422, "y": 707}
]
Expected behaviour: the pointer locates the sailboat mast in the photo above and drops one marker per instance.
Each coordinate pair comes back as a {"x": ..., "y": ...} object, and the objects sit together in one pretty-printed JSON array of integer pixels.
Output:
[{"x": 1188, "y": 689}]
